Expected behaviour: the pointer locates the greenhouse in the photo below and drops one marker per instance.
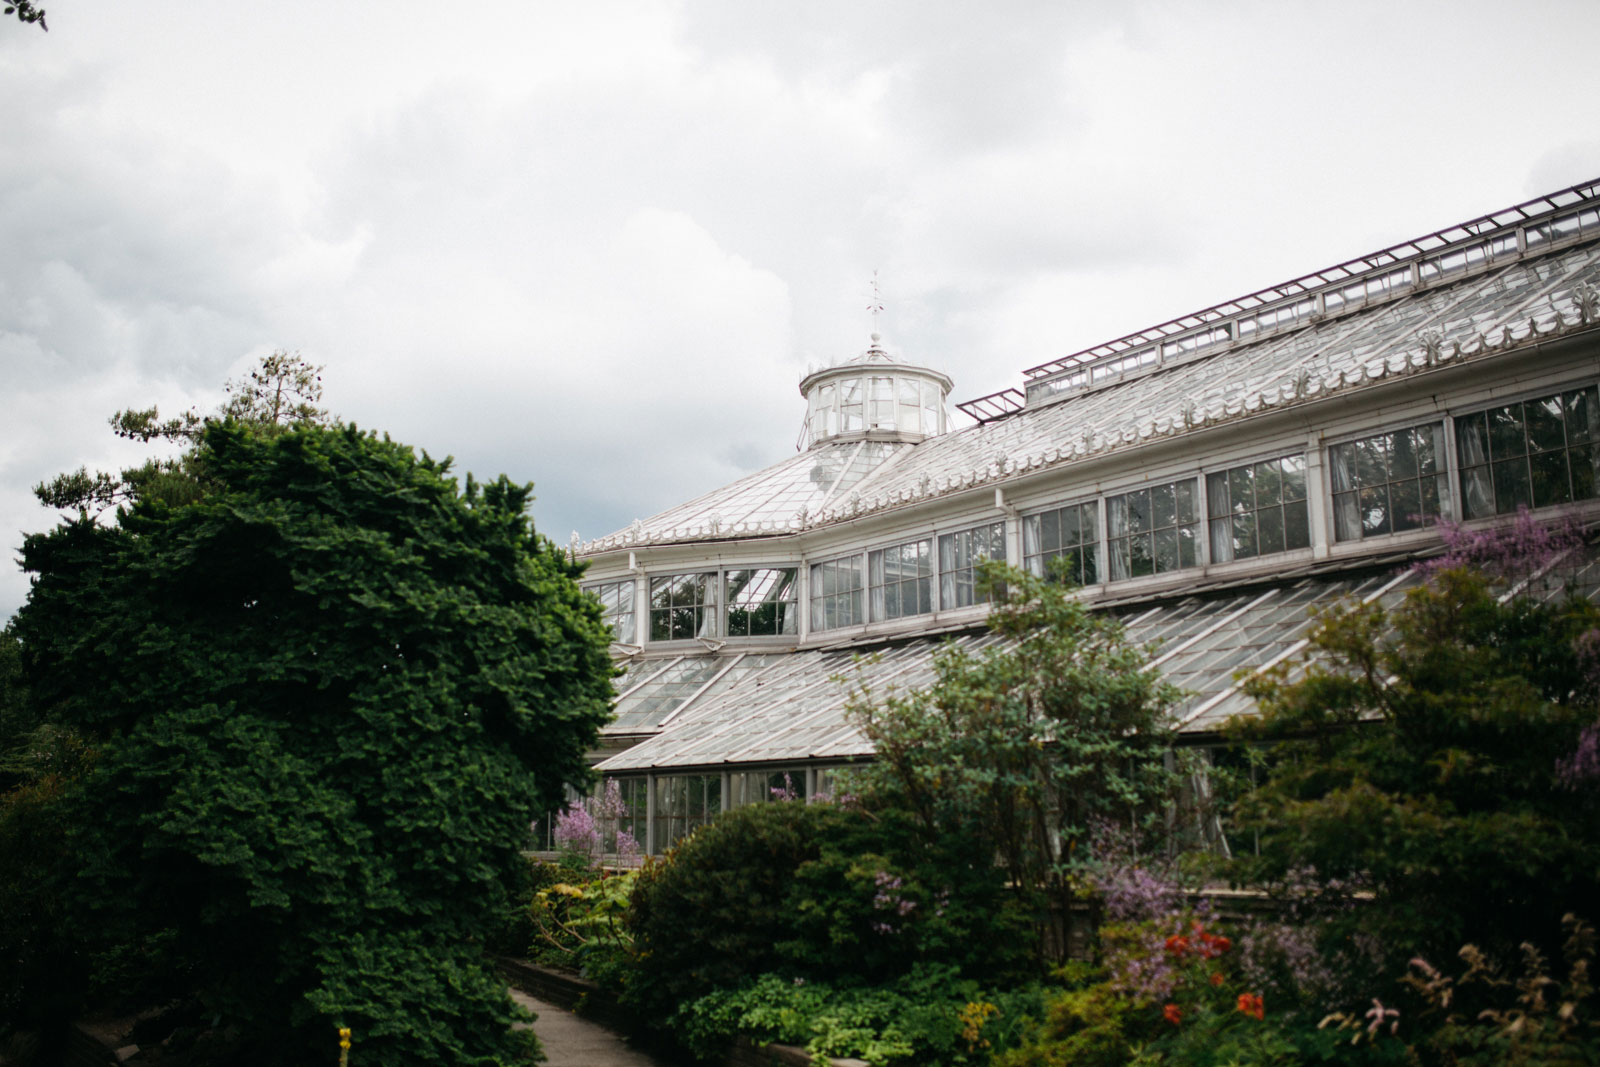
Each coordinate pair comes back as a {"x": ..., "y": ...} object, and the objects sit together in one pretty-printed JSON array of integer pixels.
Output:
[{"x": 1211, "y": 480}]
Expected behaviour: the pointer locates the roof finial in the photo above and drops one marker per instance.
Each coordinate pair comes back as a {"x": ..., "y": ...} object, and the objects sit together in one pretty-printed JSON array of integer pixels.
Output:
[{"x": 876, "y": 307}]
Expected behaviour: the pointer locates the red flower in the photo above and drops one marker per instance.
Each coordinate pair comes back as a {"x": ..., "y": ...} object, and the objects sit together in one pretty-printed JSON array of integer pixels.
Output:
[
  {"x": 1173, "y": 1014},
  {"x": 1177, "y": 945},
  {"x": 1222, "y": 944},
  {"x": 1251, "y": 1004},
  {"x": 1216, "y": 977}
]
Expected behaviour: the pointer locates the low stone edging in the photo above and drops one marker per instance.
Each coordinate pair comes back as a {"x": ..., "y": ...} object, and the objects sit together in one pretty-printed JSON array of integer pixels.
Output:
[{"x": 579, "y": 995}]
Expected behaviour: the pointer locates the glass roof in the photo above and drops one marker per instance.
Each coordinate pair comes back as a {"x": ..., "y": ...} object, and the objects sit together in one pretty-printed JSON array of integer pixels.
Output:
[
  {"x": 789, "y": 706},
  {"x": 1525, "y": 301}
]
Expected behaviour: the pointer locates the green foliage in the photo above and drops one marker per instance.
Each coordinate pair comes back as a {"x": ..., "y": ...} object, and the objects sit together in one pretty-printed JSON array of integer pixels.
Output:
[
  {"x": 1414, "y": 754},
  {"x": 326, "y": 700},
  {"x": 25, "y": 11},
  {"x": 281, "y": 393},
  {"x": 1029, "y": 743},
  {"x": 929, "y": 1016},
  {"x": 580, "y": 924},
  {"x": 816, "y": 891}
]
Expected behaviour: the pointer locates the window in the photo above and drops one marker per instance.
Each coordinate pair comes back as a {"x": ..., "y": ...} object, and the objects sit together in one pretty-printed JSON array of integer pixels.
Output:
[
  {"x": 616, "y": 604},
  {"x": 1531, "y": 454},
  {"x": 959, "y": 555},
  {"x": 901, "y": 580},
  {"x": 762, "y": 602},
  {"x": 1258, "y": 508},
  {"x": 1071, "y": 532},
  {"x": 682, "y": 606},
  {"x": 1388, "y": 482},
  {"x": 1154, "y": 530},
  {"x": 762, "y": 787},
  {"x": 836, "y": 588},
  {"x": 685, "y": 802},
  {"x": 850, "y": 413}
]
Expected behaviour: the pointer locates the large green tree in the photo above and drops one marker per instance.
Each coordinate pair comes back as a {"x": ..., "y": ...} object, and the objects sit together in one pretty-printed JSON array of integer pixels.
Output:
[
  {"x": 1032, "y": 744},
  {"x": 1425, "y": 769},
  {"x": 326, "y": 697}
]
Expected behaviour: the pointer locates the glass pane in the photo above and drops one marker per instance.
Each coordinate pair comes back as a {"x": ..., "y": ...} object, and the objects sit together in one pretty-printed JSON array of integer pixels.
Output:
[
  {"x": 1296, "y": 526},
  {"x": 1269, "y": 486},
  {"x": 1432, "y": 493},
  {"x": 1472, "y": 438},
  {"x": 1585, "y": 468},
  {"x": 1294, "y": 478},
  {"x": 1188, "y": 506},
  {"x": 1544, "y": 424},
  {"x": 1270, "y": 528},
  {"x": 1244, "y": 536},
  {"x": 1050, "y": 529},
  {"x": 1138, "y": 505},
  {"x": 1549, "y": 477},
  {"x": 1166, "y": 550},
  {"x": 1403, "y": 455},
  {"x": 1217, "y": 494},
  {"x": 1188, "y": 555},
  {"x": 1346, "y": 517},
  {"x": 1408, "y": 512},
  {"x": 1506, "y": 434},
  {"x": 1090, "y": 568},
  {"x": 1583, "y": 415},
  {"x": 1241, "y": 489},
  {"x": 1372, "y": 460},
  {"x": 1374, "y": 511},
  {"x": 1511, "y": 485},
  {"x": 1163, "y": 507}
]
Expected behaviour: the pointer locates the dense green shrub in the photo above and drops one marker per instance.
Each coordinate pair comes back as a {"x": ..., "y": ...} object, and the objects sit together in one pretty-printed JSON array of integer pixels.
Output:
[
  {"x": 326, "y": 698},
  {"x": 817, "y": 892},
  {"x": 928, "y": 1017},
  {"x": 1425, "y": 766}
]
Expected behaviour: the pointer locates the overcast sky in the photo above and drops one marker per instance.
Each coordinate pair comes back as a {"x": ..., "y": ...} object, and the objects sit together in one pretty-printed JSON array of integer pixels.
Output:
[{"x": 595, "y": 246}]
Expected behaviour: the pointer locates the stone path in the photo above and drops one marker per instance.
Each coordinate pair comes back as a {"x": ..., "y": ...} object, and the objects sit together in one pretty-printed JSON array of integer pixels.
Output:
[{"x": 570, "y": 1041}]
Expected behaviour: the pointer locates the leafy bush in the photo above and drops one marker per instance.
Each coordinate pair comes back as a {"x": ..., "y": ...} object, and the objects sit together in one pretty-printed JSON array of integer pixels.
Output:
[
  {"x": 1029, "y": 744},
  {"x": 326, "y": 698},
  {"x": 579, "y": 924},
  {"x": 816, "y": 891},
  {"x": 1488, "y": 1017},
  {"x": 926, "y": 1017},
  {"x": 1427, "y": 757}
]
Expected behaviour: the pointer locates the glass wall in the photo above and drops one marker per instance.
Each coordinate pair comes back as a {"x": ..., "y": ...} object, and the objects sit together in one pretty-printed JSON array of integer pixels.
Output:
[
  {"x": 1388, "y": 482},
  {"x": 1072, "y": 532},
  {"x": 685, "y": 802},
  {"x": 616, "y": 602},
  {"x": 1154, "y": 530},
  {"x": 1535, "y": 454},
  {"x": 836, "y": 594},
  {"x": 902, "y": 402},
  {"x": 762, "y": 602},
  {"x": 682, "y": 606},
  {"x": 1258, "y": 508},
  {"x": 901, "y": 580},
  {"x": 959, "y": 555},
  {"x": 762, "y": 787}
]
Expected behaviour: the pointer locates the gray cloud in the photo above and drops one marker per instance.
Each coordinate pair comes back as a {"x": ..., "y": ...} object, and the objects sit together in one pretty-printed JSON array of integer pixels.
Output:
[{"x": 596, "y": 247}]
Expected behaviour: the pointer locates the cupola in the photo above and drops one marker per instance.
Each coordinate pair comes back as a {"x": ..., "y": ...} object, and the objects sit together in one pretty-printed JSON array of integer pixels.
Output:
[{"x": 875, "y": 397}]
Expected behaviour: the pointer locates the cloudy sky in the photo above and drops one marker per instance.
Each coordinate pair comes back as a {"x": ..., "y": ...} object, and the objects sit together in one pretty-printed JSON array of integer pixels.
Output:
[{"x": 595, "y": 246}]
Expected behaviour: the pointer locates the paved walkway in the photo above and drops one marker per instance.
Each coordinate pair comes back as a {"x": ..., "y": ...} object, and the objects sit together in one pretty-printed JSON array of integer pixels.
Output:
[{"x": 570, "y": 1041}]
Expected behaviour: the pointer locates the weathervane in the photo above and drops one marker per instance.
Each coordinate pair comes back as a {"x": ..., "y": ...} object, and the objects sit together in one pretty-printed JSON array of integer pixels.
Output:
[{"x": 876, "y": 307}]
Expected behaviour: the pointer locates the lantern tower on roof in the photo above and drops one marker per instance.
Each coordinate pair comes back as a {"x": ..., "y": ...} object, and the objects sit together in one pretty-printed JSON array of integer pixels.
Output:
[{"x": 874, "y": 397}]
